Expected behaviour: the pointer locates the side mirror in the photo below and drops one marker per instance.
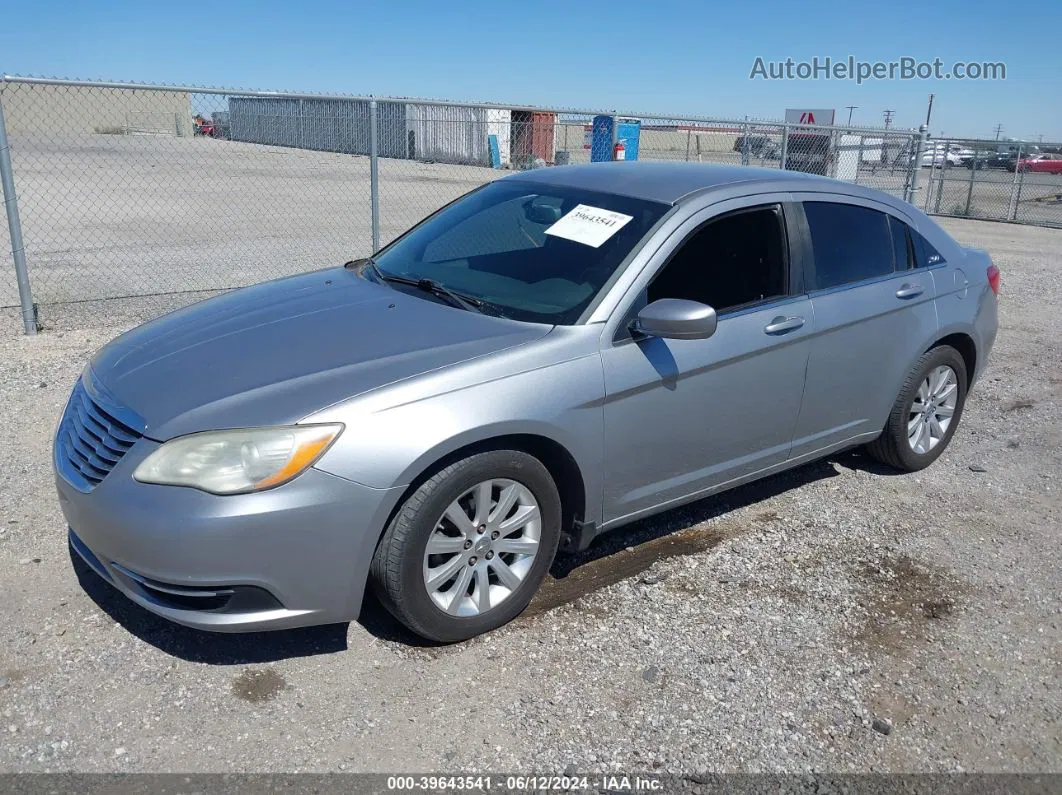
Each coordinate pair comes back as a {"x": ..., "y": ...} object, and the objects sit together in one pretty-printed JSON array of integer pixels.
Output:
[{"x": 676, "y": 319}]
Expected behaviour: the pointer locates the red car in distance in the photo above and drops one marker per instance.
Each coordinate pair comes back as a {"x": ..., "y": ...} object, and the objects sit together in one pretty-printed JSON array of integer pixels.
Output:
[{"x": 1044, "y": 163}]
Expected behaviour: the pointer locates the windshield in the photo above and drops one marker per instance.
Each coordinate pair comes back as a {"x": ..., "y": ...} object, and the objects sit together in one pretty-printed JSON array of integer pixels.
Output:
[{"x": 529, "y": 251}]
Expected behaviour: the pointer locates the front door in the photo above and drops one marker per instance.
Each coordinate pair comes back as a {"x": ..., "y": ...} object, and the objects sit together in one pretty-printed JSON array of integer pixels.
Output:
[{"x": 684, "y": 416}]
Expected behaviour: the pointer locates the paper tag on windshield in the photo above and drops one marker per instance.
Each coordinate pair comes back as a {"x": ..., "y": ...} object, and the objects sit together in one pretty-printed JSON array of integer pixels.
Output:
[{"x": 588, "y": 225}]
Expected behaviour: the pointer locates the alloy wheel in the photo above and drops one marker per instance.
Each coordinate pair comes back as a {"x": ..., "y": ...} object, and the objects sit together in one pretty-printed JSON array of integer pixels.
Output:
[
  {"x": 933, "y": 409},
  {"x": 482, "y": 547}
]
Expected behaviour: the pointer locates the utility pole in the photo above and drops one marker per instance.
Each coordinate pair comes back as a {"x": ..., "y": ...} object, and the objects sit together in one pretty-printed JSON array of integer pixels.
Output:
[
  {"x": 850, "y": 109},
  {"x": 929, "y": 110},
  {"x": 999, "y": 129},
  {"x": 888, "y": 117}
]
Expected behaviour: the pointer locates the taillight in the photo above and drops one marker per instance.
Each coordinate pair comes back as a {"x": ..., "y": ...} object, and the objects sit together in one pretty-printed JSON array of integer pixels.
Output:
[{"x": 993, "y": 278}]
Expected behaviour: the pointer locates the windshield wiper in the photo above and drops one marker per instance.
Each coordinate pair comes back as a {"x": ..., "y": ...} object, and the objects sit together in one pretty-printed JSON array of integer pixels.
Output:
[{"x": 430, "y": 286}]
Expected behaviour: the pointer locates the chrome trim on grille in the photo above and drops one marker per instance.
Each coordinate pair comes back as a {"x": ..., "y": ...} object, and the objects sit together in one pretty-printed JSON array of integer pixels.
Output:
[
  {"x": 110, "y": 404},
  {"x": 93, "y": 435}
]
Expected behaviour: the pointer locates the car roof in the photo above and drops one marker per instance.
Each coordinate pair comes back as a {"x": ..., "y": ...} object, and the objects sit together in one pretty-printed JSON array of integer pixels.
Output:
[{"x": 669, "y": 183}]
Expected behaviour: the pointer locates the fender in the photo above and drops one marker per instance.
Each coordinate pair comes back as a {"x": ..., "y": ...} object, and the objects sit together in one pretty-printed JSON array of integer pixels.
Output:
[{"x": 391, "y": 446}]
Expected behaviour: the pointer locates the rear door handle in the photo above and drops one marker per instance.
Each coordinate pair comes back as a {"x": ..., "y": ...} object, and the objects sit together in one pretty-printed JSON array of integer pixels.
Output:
[
  {"x": 783, "y": 325},
  {"x": 910, "y": 291}
]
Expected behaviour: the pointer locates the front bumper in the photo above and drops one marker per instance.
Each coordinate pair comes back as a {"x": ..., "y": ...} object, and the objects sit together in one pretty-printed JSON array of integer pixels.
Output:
[{"x": 292, "y": 556}]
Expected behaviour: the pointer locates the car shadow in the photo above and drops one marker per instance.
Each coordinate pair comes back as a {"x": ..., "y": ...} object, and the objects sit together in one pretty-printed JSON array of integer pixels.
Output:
[
  {"x": 610, "y": 557},
  {"x": 625, "y": 552},
  {"x": 858, "y": 459},
  {"x": 685, "y": 517}
]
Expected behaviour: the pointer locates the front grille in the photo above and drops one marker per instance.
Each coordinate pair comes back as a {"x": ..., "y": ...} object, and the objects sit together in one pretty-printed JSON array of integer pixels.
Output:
[{"x": 91, "y": 440}]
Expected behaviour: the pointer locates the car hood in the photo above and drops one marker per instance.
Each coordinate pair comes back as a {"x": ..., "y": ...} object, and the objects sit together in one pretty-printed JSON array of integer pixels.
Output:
[{"x": 276, "y": 352}]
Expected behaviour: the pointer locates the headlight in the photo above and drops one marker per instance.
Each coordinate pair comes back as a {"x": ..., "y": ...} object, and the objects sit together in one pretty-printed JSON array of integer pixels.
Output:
[{"x": 233, "y": 462}]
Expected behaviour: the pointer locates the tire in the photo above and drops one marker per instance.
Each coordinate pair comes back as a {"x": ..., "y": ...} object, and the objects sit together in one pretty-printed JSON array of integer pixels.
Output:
[
  {"x": 895, "y": 446},
  {"x": 401, "y": 566}
]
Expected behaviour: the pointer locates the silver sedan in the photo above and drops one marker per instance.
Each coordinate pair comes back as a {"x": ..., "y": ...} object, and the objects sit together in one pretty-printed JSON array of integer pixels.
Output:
[{"x": 554, "y": 355}]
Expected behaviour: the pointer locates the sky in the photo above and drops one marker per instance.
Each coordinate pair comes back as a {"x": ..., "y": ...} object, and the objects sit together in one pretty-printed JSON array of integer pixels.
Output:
[{"x": 672, "y": 57}]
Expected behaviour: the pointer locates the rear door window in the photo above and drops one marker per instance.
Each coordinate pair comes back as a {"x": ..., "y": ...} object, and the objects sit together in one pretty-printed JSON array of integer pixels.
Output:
[{"x": 850, "y": 243}]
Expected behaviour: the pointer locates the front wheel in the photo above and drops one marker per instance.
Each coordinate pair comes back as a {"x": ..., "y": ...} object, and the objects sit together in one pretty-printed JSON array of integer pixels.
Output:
[
  {"x": 470, "y": 546},
  {"x": 926, "y": 412}
]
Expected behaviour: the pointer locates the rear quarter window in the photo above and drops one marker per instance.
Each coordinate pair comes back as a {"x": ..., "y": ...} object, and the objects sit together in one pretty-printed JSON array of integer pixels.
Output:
[{"x": 925, "y": 254}]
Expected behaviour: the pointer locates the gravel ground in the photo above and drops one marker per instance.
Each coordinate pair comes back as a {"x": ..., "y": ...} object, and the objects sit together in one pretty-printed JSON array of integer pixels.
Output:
[{"x": 836, "y": 618}]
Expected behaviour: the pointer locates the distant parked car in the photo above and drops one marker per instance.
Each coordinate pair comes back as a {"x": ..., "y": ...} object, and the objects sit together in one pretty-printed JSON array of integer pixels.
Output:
[
  {"x": 216, "y": 127},
  {"x": 201, "y": 126},
  {"x": 1016, "y": 148},
  {"x": 552, "y": 356},
  {"x": 941, "y": 157},
  {"x": 1045, "y": 164},
  {"x": 982, "y": 160},
  {"x": 761, "y": 146},
  {"x": 946, "y": 155}
]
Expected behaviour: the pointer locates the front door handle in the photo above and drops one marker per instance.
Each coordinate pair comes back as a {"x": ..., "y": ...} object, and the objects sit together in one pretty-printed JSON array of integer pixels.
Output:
[
  {"x": 910, "y": 291},
  {"x": 782, "y": 325}
]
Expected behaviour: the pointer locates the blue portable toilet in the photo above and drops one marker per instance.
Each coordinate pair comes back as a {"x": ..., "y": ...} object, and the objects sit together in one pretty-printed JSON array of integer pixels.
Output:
[{"x": 627, "y": 130}]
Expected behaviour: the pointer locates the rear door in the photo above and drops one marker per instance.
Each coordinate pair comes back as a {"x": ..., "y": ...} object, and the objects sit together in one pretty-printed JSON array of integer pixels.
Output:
[{"x": 873, "y": 310}]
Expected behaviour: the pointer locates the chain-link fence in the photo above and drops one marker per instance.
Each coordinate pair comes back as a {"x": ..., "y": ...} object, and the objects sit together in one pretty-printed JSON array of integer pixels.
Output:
[
  {"x": 996, "y": 180},
  {"x": 165, "y": 194}
]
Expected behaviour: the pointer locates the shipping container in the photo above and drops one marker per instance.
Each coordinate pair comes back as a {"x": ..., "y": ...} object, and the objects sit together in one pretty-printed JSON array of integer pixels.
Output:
[
  {"x": 448, "y": 134},
  {"x": 499, "y": 123},
  {"x": 533, "y": 136},
  {"x": 418, "y": 131},
  {"x": 329, "y": 125}
]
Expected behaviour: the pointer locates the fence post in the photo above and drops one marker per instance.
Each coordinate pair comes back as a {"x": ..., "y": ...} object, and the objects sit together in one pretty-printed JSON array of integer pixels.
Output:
[
  {"x": 14, "y": 226},
  {"x": 916, "y": 164},
  {"x": 374, "y": 178},
  {"x": 785, "y": 146},
  {"x": 1017, "y": 197},
  {"x": 943, "y": 173},
  {"x": 969, "y": 191},
  {"x": 745, "y": 145},
  {"x": 689, "y": 139},
  {"x": 299, "y": 137},
  {"x": 1015, "y": 187}
]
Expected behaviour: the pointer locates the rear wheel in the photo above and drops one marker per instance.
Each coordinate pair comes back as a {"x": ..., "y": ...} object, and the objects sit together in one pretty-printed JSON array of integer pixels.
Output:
[
  {"x": 468, "y": 549},
  {"x": 926, "y": 412}
]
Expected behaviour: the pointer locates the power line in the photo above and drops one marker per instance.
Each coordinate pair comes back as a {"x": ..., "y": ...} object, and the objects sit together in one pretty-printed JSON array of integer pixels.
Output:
[
  {"x": 850, "y": 108},
  {"x": 888, "y": 117},
  {"x": 999, "y": 130}
]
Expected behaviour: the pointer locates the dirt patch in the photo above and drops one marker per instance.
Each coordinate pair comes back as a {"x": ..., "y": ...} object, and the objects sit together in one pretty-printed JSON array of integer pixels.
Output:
[
  {"x": 904, "y": 600},
  {"x": 9, "y": 678},
  {"x": 601, "y": 572},
  {"x": 1020, "y": 403},
  {"x": 257, "y": 687}
]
